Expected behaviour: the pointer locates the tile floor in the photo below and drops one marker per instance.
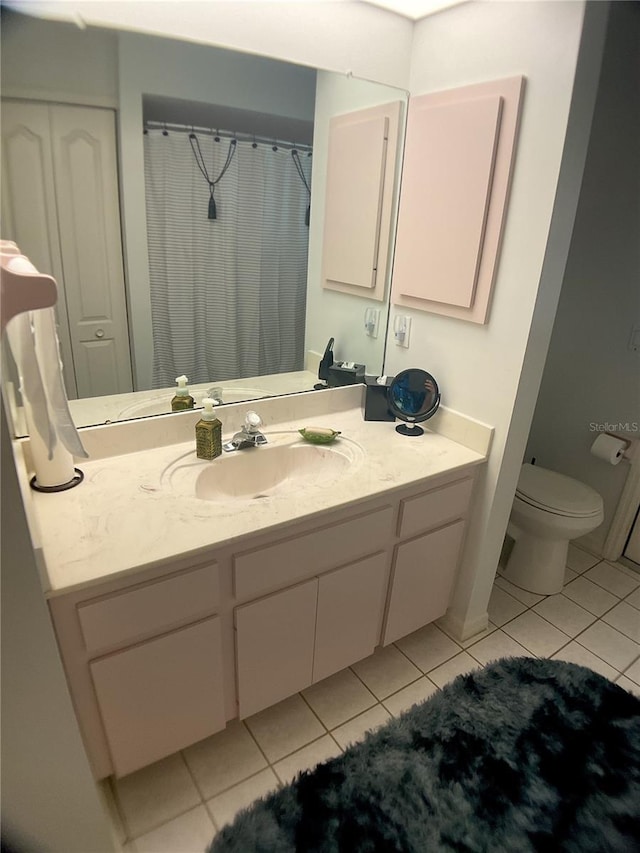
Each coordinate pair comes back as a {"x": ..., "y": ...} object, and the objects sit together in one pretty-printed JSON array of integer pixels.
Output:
[{"x": 178, "y": 804}]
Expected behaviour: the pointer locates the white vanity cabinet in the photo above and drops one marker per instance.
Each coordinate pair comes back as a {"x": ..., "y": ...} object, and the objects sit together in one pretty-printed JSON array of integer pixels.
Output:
[
  {"x": 144, "y": 661},
  {"x": 164, "y": 656},
  {"x": 291, "y": 639}
]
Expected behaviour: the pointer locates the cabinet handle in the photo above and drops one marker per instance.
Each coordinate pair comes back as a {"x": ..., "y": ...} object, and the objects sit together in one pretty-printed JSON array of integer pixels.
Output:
[{"x": 100, "y": 333}]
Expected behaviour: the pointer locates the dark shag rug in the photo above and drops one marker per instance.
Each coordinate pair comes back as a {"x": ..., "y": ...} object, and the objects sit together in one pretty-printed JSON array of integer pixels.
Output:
[{"x": 523, "y": 755}]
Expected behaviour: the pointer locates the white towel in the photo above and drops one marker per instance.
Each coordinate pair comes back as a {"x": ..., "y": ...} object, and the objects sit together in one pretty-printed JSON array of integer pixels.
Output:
[{"x": 36, "y": 350}]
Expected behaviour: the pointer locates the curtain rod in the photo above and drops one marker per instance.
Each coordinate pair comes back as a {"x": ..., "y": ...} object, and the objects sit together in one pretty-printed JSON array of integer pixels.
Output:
[{"x": 227, "y": 134}]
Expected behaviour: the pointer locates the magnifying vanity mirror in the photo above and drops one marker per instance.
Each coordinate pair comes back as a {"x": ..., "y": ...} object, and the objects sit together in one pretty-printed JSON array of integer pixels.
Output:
[
  {"x": 171, "y": 124},
  {"x": 413, "y": 397}
]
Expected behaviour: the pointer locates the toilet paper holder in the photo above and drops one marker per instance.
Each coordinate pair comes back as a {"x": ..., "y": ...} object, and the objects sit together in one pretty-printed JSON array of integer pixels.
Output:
[{"x": 610, "y": 448}]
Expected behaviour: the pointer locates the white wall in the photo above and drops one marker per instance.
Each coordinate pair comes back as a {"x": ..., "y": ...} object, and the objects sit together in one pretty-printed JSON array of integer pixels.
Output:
[
  {"x": 329, "y": 313},
  {"x": 591, "y": 376},
  {"x": 492, "y": 372},
  {"x": 192, "y": 72},
  {"x": 57, "y": 61},
  {"x": 50, "y": 802},
  {"x": 338, "y": 36}
]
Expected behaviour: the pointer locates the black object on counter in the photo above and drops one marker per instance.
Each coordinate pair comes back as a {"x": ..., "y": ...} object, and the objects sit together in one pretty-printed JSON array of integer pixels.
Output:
[
  {"x": 376, "y": 403},
  {"x": 346, "y": 373}
]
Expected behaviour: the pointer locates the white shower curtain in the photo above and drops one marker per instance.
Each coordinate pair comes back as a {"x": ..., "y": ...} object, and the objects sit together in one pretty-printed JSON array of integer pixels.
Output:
[{"x": 227, "y": 295}]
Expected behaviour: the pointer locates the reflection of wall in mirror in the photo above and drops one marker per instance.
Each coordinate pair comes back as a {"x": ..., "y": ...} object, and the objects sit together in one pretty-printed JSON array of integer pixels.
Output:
[{"x": 329, "y": 313}]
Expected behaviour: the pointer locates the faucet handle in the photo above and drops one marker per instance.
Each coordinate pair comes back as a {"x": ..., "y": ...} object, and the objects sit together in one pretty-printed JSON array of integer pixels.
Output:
[{"x": 252, "y": 421}]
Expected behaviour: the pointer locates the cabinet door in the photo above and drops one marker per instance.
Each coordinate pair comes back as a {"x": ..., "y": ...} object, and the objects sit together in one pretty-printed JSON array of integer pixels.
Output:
[
  {"x": 422, "y": 580},
  {"x": 275, "y": 640},
  {"x": 86, "y": 177},
  {"x": 350, "y": 604},
  {"x": 161, "y": 696},
  {"x": 29, "y": 215}
]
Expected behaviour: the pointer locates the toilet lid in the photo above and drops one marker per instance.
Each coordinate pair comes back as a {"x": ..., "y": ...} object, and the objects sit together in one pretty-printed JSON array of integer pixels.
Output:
[{"x": 554, "y": 492}]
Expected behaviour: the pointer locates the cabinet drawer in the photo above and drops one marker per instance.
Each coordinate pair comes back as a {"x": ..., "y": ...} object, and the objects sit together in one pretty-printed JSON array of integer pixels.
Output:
[
  {"x": 291, "y": 560},
  {"x": 434, "y": 508},
  {"x": 162, "y": 695},
  {"x": 151, "y": 609}
]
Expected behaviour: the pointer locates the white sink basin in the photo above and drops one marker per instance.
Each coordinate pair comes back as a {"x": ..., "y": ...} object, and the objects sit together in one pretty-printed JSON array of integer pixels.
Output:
[
  {"x": 160, "y": 404},
  {"x": 260, "y": 472}
]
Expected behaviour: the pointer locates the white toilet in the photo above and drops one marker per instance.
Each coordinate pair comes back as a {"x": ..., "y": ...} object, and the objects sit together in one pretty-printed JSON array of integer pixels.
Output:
[{"x": 549, "y": 510}]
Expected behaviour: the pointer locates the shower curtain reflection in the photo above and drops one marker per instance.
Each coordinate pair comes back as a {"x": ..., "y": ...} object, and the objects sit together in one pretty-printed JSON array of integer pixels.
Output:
[{"x": 227, "y": 294}]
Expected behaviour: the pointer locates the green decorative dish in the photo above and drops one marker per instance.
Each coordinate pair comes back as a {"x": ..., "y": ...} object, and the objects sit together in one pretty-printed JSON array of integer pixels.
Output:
[{"x": 319, "y": 435}]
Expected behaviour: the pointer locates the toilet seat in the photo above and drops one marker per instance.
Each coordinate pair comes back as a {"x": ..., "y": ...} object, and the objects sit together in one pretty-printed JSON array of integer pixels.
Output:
[{"x": 557, "y": 494}]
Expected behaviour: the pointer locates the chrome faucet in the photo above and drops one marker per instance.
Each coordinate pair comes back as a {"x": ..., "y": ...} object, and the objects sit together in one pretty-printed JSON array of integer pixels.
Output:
[
  {"x": 249, "y": 436},
  {"x": 216, "y": 395}
]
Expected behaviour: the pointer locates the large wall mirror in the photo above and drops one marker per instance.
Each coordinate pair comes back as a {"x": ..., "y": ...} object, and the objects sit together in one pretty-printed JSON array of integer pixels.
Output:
[{"x": 200, "y": 165}]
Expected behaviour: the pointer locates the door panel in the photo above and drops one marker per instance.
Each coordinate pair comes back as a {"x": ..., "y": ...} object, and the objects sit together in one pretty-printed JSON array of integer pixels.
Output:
[
  {"x": 350, "y": 604},
  {"x": 422, "y": 580},
  {"x": 29, "y": 214},
  {"x": 162, "y": 695},
  {"x": 86, "y": 177},
  {"x": 275, "y": 641}
]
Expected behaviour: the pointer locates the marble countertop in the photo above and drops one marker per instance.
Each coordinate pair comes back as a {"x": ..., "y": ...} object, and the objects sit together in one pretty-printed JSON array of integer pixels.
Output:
[{"x": 127, "y": 515}]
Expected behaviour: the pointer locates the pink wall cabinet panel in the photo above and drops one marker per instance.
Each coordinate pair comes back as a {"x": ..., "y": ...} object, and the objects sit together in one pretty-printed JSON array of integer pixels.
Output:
[
  {"x": 349, "y": 617},
  {"x": 162, "y": 695},
  {"x": 275, "y": 638},
  {"x": 457, "y": 168},
  {"x": 359, "y": 200},
  {"x": 422, "y": 580}
]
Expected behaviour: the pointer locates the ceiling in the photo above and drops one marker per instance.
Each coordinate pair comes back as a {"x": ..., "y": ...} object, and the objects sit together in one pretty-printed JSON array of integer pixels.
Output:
[{"x": 414, "y": 9}]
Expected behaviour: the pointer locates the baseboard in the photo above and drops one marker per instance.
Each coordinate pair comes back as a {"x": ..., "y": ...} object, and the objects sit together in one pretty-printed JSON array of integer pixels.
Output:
[{"x": 463, "y": 630}]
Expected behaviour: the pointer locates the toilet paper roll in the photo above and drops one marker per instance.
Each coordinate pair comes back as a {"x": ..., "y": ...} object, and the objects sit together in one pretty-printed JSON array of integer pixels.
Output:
[{"x": 609, "y": 448}]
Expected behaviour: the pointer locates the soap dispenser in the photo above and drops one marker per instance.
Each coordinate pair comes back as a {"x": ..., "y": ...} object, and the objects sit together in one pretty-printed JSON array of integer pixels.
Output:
[
  {"x": 208, "y": 432},
  {"x": 182, "y": 400}
]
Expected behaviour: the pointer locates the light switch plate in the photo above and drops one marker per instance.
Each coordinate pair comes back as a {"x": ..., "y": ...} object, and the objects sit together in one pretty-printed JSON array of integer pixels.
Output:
[{"x": 402, "y": 330}]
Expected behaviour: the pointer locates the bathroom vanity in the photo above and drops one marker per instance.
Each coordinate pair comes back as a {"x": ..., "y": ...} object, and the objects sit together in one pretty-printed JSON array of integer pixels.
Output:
[{"x": 178, "y": 609}]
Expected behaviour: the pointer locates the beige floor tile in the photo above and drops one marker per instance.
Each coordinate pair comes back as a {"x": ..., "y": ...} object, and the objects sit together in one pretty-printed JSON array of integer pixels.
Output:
[
  {"x": 536, "y": 634},
  {"x": 412, "y": 694},
  {"x": 224, "y": 759},
  {"x": 633, "y": 672},
  {"x": 191, "y": 832},
  {"x": 625, "y": 619},
  {"x": 338, "y": 698},
  {"x": 306, "y": 758},
  {"x": 570, "y": 575},
  {"x": 610, "y": 645},
  {"x": 503, "y": 607},
  {"x": 590, "y": 596},
  {"x": 634, "y": 599},
  {"x": 155, "y": 794},
  {"x": 498, "y": 645},
  {"x": 575, "y": 653},
  {"x": 226, "y": 806},
  {"x": 564, "y": 614},
  {"x": 285, "y": 727},
  {"x": 428, "y": 647},
  {"x": 458, "y": 665},
  {"x": 613, "y": 579},
  {"x": 386, "y": 671},
  {"x": 580, "y": 560},
  {"x": 356, "y": 729},
  {"x": 523, "y": 595},
  {"x": 629, "y": 685}
]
